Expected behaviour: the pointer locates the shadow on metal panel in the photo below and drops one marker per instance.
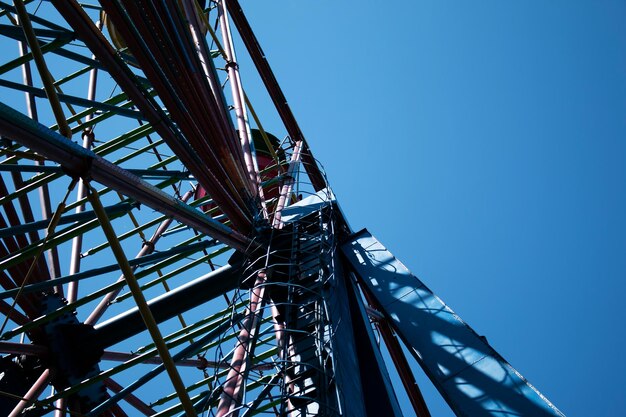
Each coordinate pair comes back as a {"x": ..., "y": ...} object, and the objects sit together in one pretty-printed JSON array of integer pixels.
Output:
[{"x": 471, "y": 376}]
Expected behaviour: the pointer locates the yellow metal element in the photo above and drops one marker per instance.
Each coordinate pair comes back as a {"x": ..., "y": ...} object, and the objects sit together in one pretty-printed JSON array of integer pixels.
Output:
[
  {"x": 140, "y": 300},
  {"x": 46, "y": 77},
  {"x": 54, "y": 221}
]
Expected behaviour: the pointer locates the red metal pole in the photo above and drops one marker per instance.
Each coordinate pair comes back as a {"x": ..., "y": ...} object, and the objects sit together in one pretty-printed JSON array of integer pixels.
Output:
[
  {"x": 239, "y": 101},
  {"x": 287, "y": 185},
  {"x": 239, "y": 364},
  {"x": 77, "y": 242},
  {"x": 267, "y": 75},
  {"x": 35, "y": 391},
  {"x": 131, "y": 399},
  {"x": 44, "y": 194},
  {"x": 88, "y": 138},
  {"x": 400, "y": 362},
  {"x": 146, "y": 249}
]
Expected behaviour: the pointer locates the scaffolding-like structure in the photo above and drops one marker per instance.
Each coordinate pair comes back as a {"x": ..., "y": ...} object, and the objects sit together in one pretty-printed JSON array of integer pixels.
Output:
[{"x": 162, "y": 254}]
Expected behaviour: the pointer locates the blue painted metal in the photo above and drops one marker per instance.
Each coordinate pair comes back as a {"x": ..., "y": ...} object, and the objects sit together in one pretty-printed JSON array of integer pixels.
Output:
[
  {"x": 472, "y": 377},
  {"x": 378, "y": 394},
  {"x": 344, "y": 345},
  {"x": 167, "y": 305},
  {"x": 364, "y": 388},
  {"x": 336, "y": 390},
  {"x": 308, "y": 205}
]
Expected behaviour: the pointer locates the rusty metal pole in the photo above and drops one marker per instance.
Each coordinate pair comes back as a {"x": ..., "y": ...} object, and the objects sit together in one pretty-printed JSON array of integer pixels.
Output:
[
  {"x": 131, "y": 399},
  {"x": 271, "y": 84},
  {"x": 285, "y": 350},
  {"x": 399, "y": 360},
  {"x": 77, "y": 242}
]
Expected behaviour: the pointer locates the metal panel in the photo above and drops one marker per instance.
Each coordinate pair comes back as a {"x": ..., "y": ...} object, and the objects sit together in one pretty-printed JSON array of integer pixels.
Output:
[
  {"x": 472, "y": 377},
  {"x": 378, "y": 394},
  {"x": 308, "y": 205},
  {"x": 344, "y": 346}
]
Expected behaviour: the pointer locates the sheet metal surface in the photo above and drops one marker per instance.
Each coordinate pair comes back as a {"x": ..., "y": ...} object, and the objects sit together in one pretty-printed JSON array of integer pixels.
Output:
[{"x": 472, "y": 377}]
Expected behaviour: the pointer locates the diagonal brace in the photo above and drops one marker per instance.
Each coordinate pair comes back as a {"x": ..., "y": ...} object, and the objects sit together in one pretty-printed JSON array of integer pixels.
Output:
[{"x": 146, "y": 314}]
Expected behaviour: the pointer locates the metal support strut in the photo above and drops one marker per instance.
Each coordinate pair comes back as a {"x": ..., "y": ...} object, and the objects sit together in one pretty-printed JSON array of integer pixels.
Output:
[{"x": 142, "y": 305}]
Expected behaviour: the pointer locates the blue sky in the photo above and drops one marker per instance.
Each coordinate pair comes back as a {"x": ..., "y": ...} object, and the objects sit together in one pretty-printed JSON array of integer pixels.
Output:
[{"x": 484, "y": 144}]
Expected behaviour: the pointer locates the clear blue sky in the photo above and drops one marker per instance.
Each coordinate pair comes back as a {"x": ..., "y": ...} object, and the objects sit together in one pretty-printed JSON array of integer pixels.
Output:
[{"x": 484, "y": 144}]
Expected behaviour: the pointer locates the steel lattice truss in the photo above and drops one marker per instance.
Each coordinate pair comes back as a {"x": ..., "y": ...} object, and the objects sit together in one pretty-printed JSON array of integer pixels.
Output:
[{"x": 162, "y": 254}]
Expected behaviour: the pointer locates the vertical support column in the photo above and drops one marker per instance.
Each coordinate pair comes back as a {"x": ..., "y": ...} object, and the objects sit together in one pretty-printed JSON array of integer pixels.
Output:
[
  {"x": 44, "y": 195},
  {"x": 346, "y": 363},
  {"x": 319, "y": 345},
  {"x": 378, "y": 394},
  {"x": 404, "y": 370},
  {"x": 275, "y": 92},
  {"x": 88, "y": 138},
  {"x": 243, "y": 126}
]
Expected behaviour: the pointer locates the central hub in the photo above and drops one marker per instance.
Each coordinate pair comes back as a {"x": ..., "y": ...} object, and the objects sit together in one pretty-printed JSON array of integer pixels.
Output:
[{"x": 72, "y": 360}]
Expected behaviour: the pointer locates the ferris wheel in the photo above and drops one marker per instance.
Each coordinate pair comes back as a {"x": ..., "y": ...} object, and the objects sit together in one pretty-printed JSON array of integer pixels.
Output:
[{"x": 163, "y": 254}]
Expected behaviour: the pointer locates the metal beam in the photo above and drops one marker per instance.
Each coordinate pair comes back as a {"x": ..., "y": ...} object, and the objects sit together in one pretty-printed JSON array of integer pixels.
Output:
[
  {"x": 275, "y": 92},
  {"x": 78, "y": 161},
  {"x": 143, "y": 261},
  {"x": 168, "y": 305},
  {"x": 33, "y": 393},
  {"x": 191, "y": 363},
  {"x": 114, "y": 209},
  {"x": 230, "y": 400},
  {"x": 142, "y": 407},
  {"x": 379, "y": 397},
  {"x": 184, "y": 353},
  {"x": 471, "y": 376},
  {"x": 7, "y": 7},
  {"x": 15, "y": 32},
  {"x": 77, "y": 101},
  {"x": 142, "y": 305},
  {"x": 42, "y": 67},
  {"x": 218, "y": 187}
]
